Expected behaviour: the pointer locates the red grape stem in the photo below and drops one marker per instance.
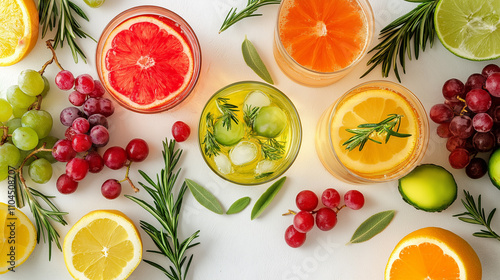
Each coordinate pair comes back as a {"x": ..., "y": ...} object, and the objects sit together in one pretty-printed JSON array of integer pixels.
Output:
[
  {"x": 53, "y": 59},
  {"x": 464, "y": 110},
  {"x": 290, "y": 212},
  {"x": 127, "y": 178},
  {"x": 5, "y": 134},
  {"x": 337, "y": 209}
]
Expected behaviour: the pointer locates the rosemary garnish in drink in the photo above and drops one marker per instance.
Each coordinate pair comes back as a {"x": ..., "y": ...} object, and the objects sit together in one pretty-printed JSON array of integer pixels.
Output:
[
  {"x": 211, "y": 146},
  {"x": 228, "y": 112},
  {"x": 233, "y": 16},
  {"x": 418, "y": 24},
  {"x": 166, "y": 210},
  {"x": 364, "y": 131},
  {"x": 272, "y": 149},
  {"x": 475, "y": 215},
  {"x": 249, "y": 114}
]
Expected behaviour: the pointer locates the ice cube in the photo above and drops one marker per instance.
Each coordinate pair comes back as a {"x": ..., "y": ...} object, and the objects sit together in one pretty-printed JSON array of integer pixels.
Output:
[
  {"x": 223, "y": 164},
  {"x": 243, "y": 153},
  {"x": 264, "y": 166},
  {"x": 256, "y": 98}
]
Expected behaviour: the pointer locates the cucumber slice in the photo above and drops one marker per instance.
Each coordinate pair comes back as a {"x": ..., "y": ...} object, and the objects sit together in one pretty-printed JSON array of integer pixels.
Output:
[
  {"x": 269, "y": 122},
  {"x": 228, "y": 137},
  {"x": 494, "y": 168},
  {"x": 428, "y": 187}
]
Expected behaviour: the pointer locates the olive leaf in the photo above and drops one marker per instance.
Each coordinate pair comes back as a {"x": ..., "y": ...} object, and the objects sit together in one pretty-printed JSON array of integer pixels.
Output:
[
  {"x": 266, "y": 198},
  {"x": 254, "y": 61},
  {"x": 238, "y": 205},
  {"x": 372, "y": 226},
  {"x": 204, "y": 197}
]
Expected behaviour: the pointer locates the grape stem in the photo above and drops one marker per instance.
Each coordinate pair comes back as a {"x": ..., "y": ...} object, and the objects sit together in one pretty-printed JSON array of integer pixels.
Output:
[
  {"x": 291, "y": 212},
  {"x": 127, "y": 178},
  {"x": 5, "y": 134},
  {"x": 464, "y": 109},
  {"x": 53, "y": 59}
]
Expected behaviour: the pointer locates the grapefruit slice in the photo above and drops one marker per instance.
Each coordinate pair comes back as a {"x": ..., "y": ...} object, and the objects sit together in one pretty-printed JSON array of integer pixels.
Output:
[{"x": 146, "y": 63}]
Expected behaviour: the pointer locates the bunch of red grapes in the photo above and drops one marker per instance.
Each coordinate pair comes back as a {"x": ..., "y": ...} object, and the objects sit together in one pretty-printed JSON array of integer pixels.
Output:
[
  {"x": 470, "y": 119},
  {"x": 87, "y": 131},
  {"x": 326, "y": 216}
]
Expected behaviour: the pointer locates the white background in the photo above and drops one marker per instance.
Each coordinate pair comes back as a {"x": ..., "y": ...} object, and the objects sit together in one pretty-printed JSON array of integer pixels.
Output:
[{"x": 234, "y": 247}]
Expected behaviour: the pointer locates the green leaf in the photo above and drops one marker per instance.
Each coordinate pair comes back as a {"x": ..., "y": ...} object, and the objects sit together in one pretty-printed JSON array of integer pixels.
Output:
[
  {"x": 372, "y": 226},
  {"x": 204, "y": 197},
  {"x": 238, "y": 205},
  {"x": 266, "y": 198},
  {"x": 254, "y": 61}
]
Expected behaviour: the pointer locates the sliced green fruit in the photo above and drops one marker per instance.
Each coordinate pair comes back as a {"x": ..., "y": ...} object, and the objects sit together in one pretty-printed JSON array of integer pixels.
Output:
[
  {"x": 428, "y": 187},
  {"x": 228, "y": 137},
  {"x": 494, "y": 168},
  {"x": 94, "y": 3},
  {"x": 269, "y": 122},
  {"x": 469, "y": 28}
]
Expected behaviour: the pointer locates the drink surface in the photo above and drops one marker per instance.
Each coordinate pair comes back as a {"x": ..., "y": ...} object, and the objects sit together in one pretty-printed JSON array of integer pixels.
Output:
[
  {"x": 324, "y": 36},
  {"x": 373, "y": 106}
]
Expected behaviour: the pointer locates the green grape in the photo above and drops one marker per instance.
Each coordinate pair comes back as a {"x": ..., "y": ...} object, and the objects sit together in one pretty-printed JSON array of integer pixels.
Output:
[
  {"x": 94, "y": 3},
  {"x": 18, "y": 112},
  {"x": 5, "y": 110},
  {"x": 228, "y": 137},
  {"x": 39, "y": 120},
  {"x": 40, "y": 171},
  {"x": 4, "y": 172},
  {"x": 30, "y": 82},
  {"x": 46, "y": 86},
  {"x": 9, "y": 154},
  {"x": 25, "y": 138},
  {"x": 25, "y": 154},
  {"x": 18, "y": 99},
  {"x": 49, "y": 144},
  {"x": 269, "y": 122},
  {"x": 13, "y": 124}
]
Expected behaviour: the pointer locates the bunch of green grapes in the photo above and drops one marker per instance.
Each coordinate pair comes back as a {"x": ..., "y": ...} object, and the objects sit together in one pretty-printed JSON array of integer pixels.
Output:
[{"x": 25, "y": 128}]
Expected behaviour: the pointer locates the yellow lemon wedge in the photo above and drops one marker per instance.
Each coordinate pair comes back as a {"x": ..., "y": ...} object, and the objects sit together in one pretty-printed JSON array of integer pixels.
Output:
[
  {"x": 18, "y": 30},
  {"x": 17, "y": 237},
  {"x": 104, "y": 245}
]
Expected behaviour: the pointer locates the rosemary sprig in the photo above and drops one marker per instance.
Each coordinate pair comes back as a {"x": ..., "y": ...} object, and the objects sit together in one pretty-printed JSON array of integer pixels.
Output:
[
  {"x": 272, "y": 149},
  {"x": 249, "y": 114},
  {"x": 166, "y": 210},
  {"x": 364, "y": 131},
  {"x": 61, "y": 14},
  {"x": 418, "y": 25},
  {"x": 228, "y": 112},
  {"x": 211, "y": 146},
  {"x": 233, "y": 16},
  {"x": 475, "y": 215}
]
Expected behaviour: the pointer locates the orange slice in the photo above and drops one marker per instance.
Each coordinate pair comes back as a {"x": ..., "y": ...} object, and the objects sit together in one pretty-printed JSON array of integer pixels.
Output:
[
  {"x": 18, "y": 30},
  {"x": 324, "y": 36},
  {"x": 102, "y": 245},
  {"x": 17, "y": 236},
  {"x": 433, "y": 253},
  {"x": 146, "y": 62},
  {"x": 373, "y": 106}
]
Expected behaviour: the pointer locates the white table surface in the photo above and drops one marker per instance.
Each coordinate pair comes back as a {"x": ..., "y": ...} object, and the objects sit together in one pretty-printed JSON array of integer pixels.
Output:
[{"x": 234, "y": 247}]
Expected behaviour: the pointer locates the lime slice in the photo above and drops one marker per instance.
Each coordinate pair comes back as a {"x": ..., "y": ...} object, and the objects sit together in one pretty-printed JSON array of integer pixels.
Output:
[{"x": 469, "y": 28}]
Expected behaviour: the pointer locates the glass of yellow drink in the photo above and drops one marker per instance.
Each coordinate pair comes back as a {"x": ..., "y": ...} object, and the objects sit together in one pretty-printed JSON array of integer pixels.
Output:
[
  {"x": 249, "y": 133},
  {"x": 378, "y": 160},
  {"x": 317, "y": 42}
]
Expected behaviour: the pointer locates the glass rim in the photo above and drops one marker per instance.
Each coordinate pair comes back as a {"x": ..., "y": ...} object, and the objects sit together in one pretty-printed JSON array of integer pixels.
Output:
[
  {"x": 189, "y": 36},
  {"x": 367, "y": 11},
  {"x": 297, "y": 134}
]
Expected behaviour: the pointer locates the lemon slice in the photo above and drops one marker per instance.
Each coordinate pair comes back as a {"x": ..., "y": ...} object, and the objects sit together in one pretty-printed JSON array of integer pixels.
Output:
[
  {"x": 17, "y": 237},
  {"x": 104, "y": 245},
  {"x": 469, "y": 29},
  {"x": 18, "y": 30}
]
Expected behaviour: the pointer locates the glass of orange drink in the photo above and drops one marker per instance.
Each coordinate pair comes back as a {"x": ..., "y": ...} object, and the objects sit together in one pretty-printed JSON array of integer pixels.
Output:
[
  {"x": 357, "y": 113},
  {"x": 317, "y": 42}
]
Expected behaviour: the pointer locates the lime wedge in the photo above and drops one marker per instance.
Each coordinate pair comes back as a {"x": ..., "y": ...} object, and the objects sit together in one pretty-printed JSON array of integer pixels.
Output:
[{"x": 469, "y": 28}]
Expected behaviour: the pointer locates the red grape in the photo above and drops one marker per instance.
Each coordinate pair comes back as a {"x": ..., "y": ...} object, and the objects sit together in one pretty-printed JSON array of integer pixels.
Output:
[
  {"x": 326, "y": 218},
  {"x": 294, "y": 238},
  {"x": 91, "y": 106},
  {"x": 441, "y": 113},
  {"x": 63, "y": 151},
  {"x": 330, "y": 198},
  {"x": 306, "y": 200},
  {"x": 474, "y": 81},
  {"x": 106, "y": 107},
  {"x": 65, "y": 80},
  {"x": 303, "y": 221},
  {"x": 77, "y": 169},
  {"x": 456, "y": 106},
  {"x": 81, "y": 125},
  {"x": 455, "y": 142},
  {"x": 84, "y": 84},
  {"x": 180, "y": 131},
  {"x": 477, "y": 168},
  {"x": 98, "y": 119},
  {"x": 99, "y": 136},
  {"x": 96, "y": 163},
  {"x": 459, "y": 158},
  {"x": 69, "y": 114},
  {"x": 482, "y": 122},
  {"x": 137, "y": 150},
  {"x": 98, "y": 89},
  {"x": 115, "y": 157},
  {"x": 354, "y": 199},
  {"x": 111, "y": 189},
  {"x": 492, "y": 84},
  {"x": 483, "y": 141},
  {"x": 66, "y": 185},
  {"x": 478, "y": 100},
  {"x": 76, "y": 98},
  {"x": 70, "y": 133},
  {"x": 490, "y": 69},
  {"x": 443, "y": 130},
  {"x": 81, "y": 142},
  {"x": 453, "y": 88},
  {"x": 461, "y": 126}
]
